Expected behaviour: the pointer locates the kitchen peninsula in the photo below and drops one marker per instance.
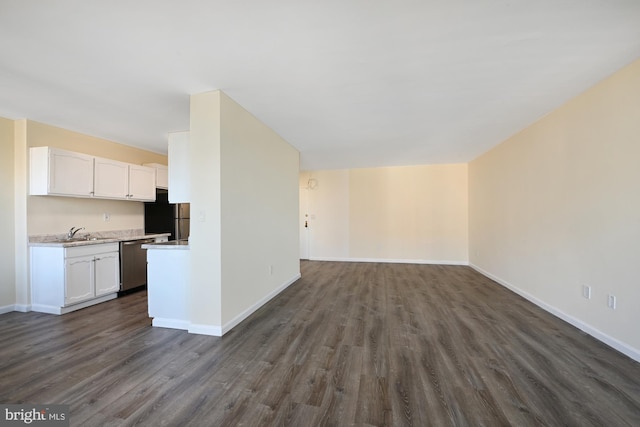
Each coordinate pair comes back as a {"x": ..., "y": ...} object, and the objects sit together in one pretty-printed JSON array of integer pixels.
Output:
[{"x": 168, "y": 283}]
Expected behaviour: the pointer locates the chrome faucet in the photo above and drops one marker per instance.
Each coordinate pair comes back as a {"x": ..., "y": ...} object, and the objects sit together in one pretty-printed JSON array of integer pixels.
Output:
[{"x": 73, "y": 232}]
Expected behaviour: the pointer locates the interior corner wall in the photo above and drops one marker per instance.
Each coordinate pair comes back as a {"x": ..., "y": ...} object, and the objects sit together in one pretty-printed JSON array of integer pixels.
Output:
[
  {"x": 205, "y": 306},
  {"x": 557, "y": 207},
  {"x": 7, "y": 216},
  {"x": 259, "y": 205},
  {"x": 393, "y": 214}
]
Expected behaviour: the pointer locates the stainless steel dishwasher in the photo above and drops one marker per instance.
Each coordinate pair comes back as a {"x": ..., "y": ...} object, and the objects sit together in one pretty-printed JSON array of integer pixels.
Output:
[{"x": 133, "y": 264}]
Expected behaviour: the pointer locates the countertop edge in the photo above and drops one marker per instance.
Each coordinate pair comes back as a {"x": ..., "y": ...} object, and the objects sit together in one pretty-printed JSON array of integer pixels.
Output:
[
  {"x": 170, "y": 245},
  {"x": 59, "y": 244}
]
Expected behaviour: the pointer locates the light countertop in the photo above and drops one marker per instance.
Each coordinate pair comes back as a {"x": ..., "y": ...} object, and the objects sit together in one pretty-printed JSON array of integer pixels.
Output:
[{"x": 82, "y": 239}]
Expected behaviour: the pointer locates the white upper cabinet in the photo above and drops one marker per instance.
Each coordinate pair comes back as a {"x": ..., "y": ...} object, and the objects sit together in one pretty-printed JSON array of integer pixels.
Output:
[
  {"x": 65, "y": 173},
  {"x": 119, "y": 180},
  {"x": 162, "y": 174},
  {"x": 142, "y": 183},
  {"x": 111, "y": 179},
  {"x": 59, "y": 172},
  {"x": 179, "y": 170},
  {"x": 162, "y": 177}
]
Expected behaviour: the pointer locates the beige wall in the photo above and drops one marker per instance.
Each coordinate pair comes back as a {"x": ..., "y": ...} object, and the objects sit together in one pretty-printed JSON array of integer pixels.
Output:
[
  {"x": 259, "y": 199},
  {"x": 7, "y": 204},
  {"x": 406, "y": 214},
  {"x": 40, "y": 134},
  {"x": 53, "y": 215},
  {"x": 557, "y": 206},
  {"x": 244, "y": 202}
]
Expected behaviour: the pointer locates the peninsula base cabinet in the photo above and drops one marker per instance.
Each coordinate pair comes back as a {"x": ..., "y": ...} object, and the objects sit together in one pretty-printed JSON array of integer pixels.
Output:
[
  {"x": 68, "y": 279},
  {"x": 168, "y": 287}
]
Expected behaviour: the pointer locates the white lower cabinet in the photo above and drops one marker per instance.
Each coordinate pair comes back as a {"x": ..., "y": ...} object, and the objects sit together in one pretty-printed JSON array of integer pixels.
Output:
[
  {"x": 67, "y": 279},
  {"x": 107, "y": 273},
  {"x": 78, "y": 283}
]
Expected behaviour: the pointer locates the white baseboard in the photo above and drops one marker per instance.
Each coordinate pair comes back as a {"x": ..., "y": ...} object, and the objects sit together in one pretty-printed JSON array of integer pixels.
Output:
[
  {"x": 89, "y": 303},
  {"x": 391, "y": 261},
  {"x": 7, "y": 309},
  {"x": 170, "y": 323},
  {"x": 239, "y": 318},
  {"x": 52, "y": 309},
  {"x": 23, "y": 308},
  {"x": 597, "y": 334},
  {"x": 212, "y": 330},
  {"x": 49, "y": 309}
]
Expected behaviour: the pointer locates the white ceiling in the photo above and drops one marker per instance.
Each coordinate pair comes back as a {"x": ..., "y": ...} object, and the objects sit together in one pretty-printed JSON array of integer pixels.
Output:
[{"x": 348, "y": 83}]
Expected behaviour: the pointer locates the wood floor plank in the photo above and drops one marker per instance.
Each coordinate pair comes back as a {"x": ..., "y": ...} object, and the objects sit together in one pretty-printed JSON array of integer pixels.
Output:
[{"x": 348, "y": 344}]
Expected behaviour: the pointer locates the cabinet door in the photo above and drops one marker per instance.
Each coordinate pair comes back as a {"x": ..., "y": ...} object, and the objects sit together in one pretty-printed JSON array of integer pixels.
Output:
[
  {"x": 111, "y": 179},
  {"x": 107, "y": 273},
  {"x": 142, "y": 183},
  {"x": 179, "y": 171},
  {"x": 79, "y": 279},
  {"x": 162, "y": 177},
  {"x": 70, "y": 174}
]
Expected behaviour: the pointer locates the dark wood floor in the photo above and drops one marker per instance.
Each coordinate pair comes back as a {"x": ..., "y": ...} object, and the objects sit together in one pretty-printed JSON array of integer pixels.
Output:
[{"x": 348, "y": 344}]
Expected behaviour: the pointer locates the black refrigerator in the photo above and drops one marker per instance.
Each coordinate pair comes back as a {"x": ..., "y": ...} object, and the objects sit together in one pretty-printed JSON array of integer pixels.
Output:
[{"x": 164, "y": 217}]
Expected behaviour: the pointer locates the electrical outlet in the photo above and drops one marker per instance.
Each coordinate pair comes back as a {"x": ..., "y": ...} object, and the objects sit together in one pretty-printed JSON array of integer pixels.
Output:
[
  {"x": 586, "y": 291},
  {"x": 106, "y": 217},
  {"x": 611, "y": 301}
]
